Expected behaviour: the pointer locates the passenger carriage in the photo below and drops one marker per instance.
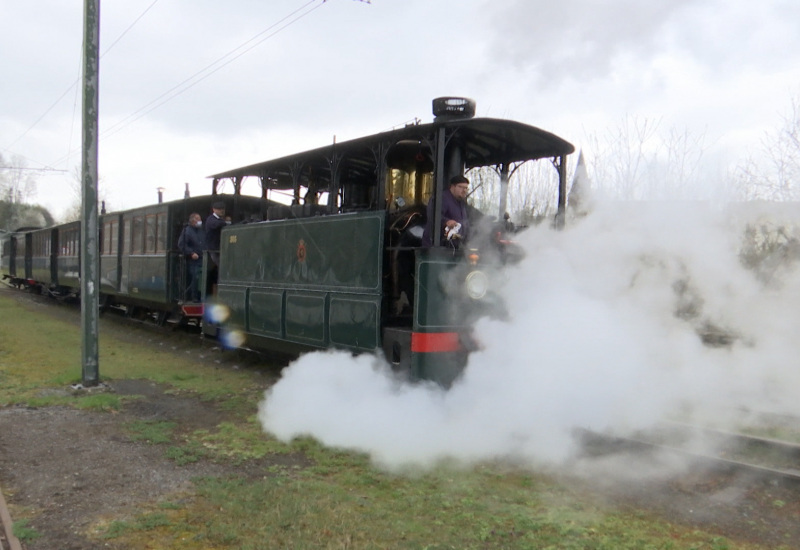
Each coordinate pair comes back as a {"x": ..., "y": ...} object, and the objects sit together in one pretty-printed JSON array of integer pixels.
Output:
[{"x": 141, "y": 269}]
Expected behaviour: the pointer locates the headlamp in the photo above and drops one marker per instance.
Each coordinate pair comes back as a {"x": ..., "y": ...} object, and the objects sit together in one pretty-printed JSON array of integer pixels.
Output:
[{"x": 477, "y": 284}]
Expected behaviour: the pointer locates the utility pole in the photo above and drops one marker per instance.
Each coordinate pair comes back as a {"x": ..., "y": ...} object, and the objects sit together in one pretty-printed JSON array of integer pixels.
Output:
[{"x": 90, "y": 268}]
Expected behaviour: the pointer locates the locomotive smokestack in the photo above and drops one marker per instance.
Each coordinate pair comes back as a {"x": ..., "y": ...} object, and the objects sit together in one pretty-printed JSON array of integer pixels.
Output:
[
  {"x": 186, "y": 193},
  {"x": 160, "y": 194},
  {"x": 451, "y": 108}
]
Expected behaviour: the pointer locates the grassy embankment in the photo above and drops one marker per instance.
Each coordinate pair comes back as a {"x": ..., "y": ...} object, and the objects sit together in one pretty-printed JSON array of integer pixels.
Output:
[{"x": 321, "y": 498}]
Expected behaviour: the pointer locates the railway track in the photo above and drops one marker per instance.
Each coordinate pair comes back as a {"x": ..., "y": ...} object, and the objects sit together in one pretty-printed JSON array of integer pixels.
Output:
[
  {"x": 7, "y": 539},
  {"x": 759, "y": 458}
]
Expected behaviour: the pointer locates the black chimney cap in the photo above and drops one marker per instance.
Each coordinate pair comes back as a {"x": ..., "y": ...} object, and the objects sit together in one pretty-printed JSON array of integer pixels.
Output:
[{"x": 448, "y": 108}]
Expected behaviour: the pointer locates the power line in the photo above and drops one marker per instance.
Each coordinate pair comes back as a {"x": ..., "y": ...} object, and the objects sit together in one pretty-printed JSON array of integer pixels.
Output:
[
  {"x": 75, "y": 84},
  {"x": 24, "y": 169},
  {"x": 38, "y": 120},
  {"x": 195, "y": 78},
  {"x": 216, "y": 65},
  {"x": 43, "y": 168},
  {"x": 209, "y": 70},
  {"x": 148, "y": 8}
]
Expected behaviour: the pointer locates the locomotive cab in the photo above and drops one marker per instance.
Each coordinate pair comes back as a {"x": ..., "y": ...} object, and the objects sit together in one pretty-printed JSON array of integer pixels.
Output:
[{"x": 344, "y": 265}]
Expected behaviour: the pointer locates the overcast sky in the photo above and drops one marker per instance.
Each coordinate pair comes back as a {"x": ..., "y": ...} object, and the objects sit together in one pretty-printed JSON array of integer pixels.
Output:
[{"x": 263, "y": 79}]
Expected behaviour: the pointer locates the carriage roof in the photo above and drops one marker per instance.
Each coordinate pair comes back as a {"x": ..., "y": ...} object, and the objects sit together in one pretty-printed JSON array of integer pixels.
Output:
[{"x": 487, "y": 141}]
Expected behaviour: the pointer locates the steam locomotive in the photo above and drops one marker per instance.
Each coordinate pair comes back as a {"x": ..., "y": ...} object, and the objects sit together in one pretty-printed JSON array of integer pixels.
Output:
[{"x": 343, "y": 264}]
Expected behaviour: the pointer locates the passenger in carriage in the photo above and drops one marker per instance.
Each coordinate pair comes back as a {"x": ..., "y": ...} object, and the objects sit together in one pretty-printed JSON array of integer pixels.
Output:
[
  {"x": 455, "y": 223},
  {"x": 192, "y": 243},
  {"x": 214, "y": 224}
]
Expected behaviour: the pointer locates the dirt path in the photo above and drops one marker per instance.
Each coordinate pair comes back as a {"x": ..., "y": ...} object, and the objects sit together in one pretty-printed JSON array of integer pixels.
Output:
[{"x": 76, "y": 467}]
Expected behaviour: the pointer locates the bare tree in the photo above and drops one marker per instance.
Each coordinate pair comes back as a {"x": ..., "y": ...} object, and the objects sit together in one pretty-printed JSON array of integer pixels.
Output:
[
  {"x": 636, "y": 161},
  {"x": 532, "y": 191},
  {"x": 632, "y": 161},
  {"x": 17, "y": 182},
  {"x": 774, "y": 174},
  {"x": 621, "y": 155},
  {"x": 17, "y": 186},
  {"x": 674, "y": 172},
  {"x": 75, "y": 210}
]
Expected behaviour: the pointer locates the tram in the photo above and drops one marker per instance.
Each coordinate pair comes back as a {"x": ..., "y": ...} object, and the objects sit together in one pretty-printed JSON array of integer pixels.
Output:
[{"x": 344, "y": 265}]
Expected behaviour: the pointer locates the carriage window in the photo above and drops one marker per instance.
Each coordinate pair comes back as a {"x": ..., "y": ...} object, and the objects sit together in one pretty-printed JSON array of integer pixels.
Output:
[
  {"x": 126, "y": 231},
  {"x": 106, "y": 238},
  {"x": 161, "y": 244},
  {"x": 150, "y": 234},
  {"x": 136, "y": 235},
  {"x": 110, "y": 237},
  {"x": 114, "y": 237},
  {"x": 70, "y": 244}
]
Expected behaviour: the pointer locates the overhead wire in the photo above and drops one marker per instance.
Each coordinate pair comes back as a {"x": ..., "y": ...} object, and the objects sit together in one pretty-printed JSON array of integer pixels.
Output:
[
  {"x": 190, "y": 81},
  {"x": 110, "y": 47},
  {"x": 72, "y": 86},
  {"x": 135, "y": 21},
  {"x": 216, "y": 65}
]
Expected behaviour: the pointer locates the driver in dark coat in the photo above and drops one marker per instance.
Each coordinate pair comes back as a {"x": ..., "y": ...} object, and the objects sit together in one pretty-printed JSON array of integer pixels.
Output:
[{"x": 455, "y": 223}]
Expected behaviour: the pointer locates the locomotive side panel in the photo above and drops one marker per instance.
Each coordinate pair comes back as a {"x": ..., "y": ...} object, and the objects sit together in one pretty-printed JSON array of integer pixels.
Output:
[{"x": 311, "y": 281}]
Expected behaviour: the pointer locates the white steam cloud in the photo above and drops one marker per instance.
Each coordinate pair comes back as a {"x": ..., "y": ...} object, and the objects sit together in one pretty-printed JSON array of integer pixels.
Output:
[{"x": 603, "y": 333}]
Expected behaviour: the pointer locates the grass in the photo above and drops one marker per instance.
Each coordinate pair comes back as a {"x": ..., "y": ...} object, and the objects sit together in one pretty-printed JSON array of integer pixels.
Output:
[
  {"x": 303, "y": 495},
  {"x": 40, "y": 352},
  {"x": 23, "y": 532},
  {"x": 151, "y": 431},
  {"x": 360, "y": 508}
]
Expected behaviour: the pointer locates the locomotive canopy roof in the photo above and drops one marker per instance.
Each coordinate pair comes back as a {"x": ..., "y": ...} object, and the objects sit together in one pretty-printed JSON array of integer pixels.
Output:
[{"x": 486, "y": 141}]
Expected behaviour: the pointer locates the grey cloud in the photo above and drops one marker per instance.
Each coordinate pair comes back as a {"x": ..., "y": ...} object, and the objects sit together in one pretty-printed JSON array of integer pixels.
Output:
[
  {"x": 576, "y": 37},
  {"x": 582, "y": 39}
]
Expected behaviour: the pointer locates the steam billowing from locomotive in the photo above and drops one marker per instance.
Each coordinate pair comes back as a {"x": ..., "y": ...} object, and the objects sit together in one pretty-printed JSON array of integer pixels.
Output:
[{"x": 622, "y": 320}]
